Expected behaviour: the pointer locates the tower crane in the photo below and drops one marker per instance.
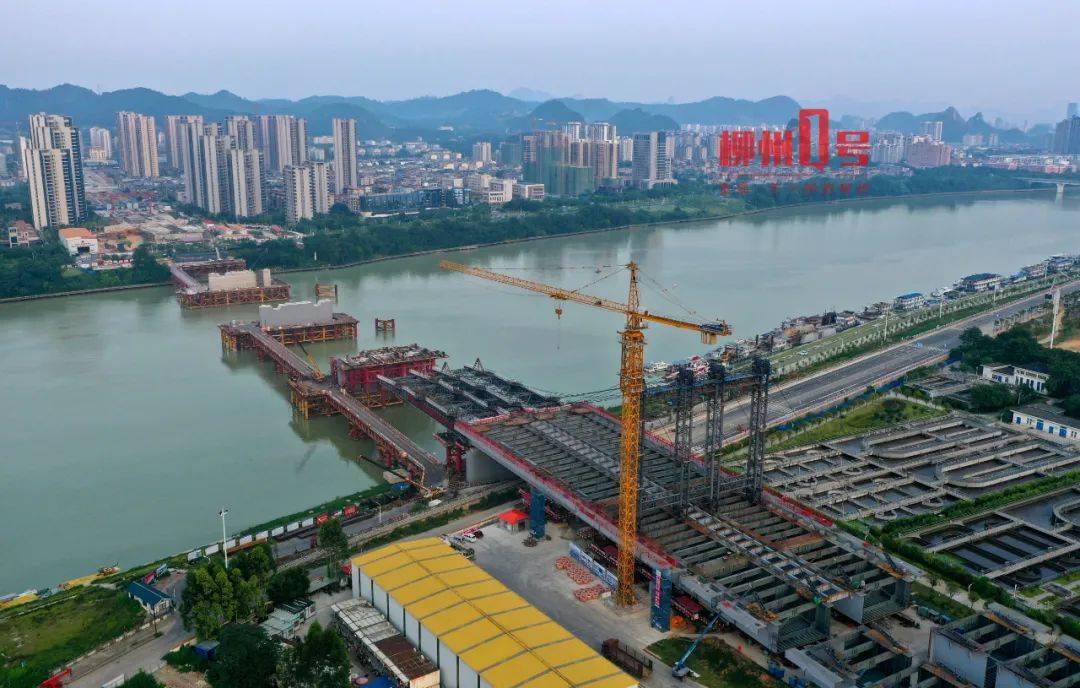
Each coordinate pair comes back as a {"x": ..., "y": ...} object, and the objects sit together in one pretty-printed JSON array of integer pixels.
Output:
[{"x": 631, "y": 384}]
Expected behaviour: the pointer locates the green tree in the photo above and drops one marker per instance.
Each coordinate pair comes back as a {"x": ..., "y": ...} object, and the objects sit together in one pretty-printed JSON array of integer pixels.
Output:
[
  {"x": 1071, "y": 406},
  {"x": 319, "y": 660},
  {"x": 332, "y": 538},
  {"x": 991, "y": 397},
  {"x": 287, "y": 585},
  {"x": 247, "y": 593},
  {"x": 145, "y": 268},
  {"x": 246, "y": 658}
]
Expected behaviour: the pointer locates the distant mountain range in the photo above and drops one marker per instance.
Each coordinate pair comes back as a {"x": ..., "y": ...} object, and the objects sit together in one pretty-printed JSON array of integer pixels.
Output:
[
  {"x": 954, "y": 126},
  {"x": 479, "y": 112}
]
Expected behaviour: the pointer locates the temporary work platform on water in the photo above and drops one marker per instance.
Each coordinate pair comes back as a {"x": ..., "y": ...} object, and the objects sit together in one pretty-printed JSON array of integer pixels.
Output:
[
  {"x": 213, "y": 283},
  {"x": 313, "y": 393},
  {"x": 295, "y": 323}
]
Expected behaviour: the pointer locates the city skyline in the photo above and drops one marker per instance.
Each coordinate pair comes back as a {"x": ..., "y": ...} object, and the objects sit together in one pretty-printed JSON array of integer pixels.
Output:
[{"x": 804, "y": 62}]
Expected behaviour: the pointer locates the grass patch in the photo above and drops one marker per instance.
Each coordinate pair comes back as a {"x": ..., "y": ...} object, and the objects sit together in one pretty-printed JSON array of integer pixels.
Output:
[
  {"x": 717, "y": 664},
  {"x": 928, "y": 597},
  {"x": 34, "y": 643},
  {"x": 873, "y": 415},
  {"x": 987, "y": 502}
]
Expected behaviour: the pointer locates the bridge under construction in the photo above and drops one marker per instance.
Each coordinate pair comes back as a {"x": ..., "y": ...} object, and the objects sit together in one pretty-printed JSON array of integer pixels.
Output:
[
  {"x": 314, "y": 393},
  {"x": 771, "y": 566}
]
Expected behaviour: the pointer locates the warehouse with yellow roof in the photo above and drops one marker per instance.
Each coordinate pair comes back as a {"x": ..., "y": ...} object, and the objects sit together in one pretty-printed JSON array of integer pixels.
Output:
[{"x": 479, "y": 633}]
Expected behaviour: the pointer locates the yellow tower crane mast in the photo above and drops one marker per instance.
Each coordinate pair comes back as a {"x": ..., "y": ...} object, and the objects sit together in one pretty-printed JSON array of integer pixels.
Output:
[{"x": 631, "y": 384}]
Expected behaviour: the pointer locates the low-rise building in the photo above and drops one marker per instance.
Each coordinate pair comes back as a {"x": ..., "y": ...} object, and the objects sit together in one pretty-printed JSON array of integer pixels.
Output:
[
  {"x": 1047, "y": 419},
  {"x": 981, "y": 281},
  {"x": 1032, "y": 376},
  {"x": 909, "y": 301},
  {"x": 1036, "y": 271},
  {"x": 151, "y": 599},
  {"x": 529, "y": 192},
  {"x": 473, "y": 629},
  {"x": 22, "y": 234},
  {"x": 78, "y": 240}
]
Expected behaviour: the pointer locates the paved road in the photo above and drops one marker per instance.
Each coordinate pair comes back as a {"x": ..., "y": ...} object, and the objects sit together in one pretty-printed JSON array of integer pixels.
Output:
[
  {"x": 824, "y": 389},
  {"x": 141, "y": 652}
]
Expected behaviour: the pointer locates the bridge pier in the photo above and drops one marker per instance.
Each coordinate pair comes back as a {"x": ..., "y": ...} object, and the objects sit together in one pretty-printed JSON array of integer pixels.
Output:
[{"x": 1060, "y": 188}]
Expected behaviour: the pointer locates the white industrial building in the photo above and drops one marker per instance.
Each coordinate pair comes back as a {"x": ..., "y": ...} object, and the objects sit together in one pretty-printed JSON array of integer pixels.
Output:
[
  {"x": 1017, "y": 375},
  {"x": 475, "y": 630}
]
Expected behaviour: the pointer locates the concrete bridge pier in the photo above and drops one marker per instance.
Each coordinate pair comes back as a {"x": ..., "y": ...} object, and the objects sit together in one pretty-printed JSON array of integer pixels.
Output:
[{"x": 1060, "y": 189}]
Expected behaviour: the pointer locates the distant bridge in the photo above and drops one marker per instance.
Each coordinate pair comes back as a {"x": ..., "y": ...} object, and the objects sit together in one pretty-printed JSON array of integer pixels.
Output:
[{"x": 1060, "y": 184}]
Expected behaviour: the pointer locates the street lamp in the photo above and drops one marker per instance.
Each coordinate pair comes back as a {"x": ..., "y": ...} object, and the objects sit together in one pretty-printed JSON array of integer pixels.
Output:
[{"x": 223, "y": 536}]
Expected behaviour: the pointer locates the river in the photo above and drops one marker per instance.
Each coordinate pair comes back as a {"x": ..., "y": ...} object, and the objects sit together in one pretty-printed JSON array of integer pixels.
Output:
[{"x": 125, "y": 428}]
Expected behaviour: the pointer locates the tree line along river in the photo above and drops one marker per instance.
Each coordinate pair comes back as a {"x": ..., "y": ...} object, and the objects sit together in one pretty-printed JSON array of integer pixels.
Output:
[{"x": 125, "y": 429}]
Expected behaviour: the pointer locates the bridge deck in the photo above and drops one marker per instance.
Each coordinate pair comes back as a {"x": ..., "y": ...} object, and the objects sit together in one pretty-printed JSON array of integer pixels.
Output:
[{"x": 431, "y": 470}]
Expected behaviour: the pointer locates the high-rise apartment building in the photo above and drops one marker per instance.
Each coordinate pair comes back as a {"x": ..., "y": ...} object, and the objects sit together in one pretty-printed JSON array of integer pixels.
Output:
[
  {"x": 925, "y": 151},
  {"x": 510, "y": 153},
  {"x": 101, "y": 140},
  {"x": 283, "y": 141},
  {"x": 887, "y": 149},
  {"x": 1067, "y": 136},
  {"x": 652, "y": 158},
  {"x": 574, "y": 131},
  {"x": 558, "y": 162},
  {"x": 346, "y": 173},
  {"x": 481, "y": 152},
  {"x": 242, "y": 185},
  {"x": 199, "y": 162},
  {"x": 307, "y": 191},
  {"x": 220, "y": 177},
  {"x": 934, "y": 129},
  {"x": 138, "y": 144},
  {"x": 604, "y": 158},
  {"x": 600, "y": 131},
  {"x": 174, "y": 136},
  {"x": 52, "y": 165},
  {"x": 242, "y": 130}
]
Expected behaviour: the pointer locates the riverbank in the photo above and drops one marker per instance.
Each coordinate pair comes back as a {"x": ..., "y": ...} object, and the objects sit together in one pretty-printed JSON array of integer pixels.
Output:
[
  {"x": 660, "y": 223},
  {"x": 840, "y": 202}
]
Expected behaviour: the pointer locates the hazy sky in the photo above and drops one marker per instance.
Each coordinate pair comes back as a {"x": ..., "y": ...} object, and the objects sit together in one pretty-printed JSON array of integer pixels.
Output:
[{"x": 1005, "y": 56}]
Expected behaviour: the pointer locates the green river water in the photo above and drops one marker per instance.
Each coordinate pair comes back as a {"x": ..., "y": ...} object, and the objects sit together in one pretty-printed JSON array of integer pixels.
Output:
[{"x": 125, "y": 429}]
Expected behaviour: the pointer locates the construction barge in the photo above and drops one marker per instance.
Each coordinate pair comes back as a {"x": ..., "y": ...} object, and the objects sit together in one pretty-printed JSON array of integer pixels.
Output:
[{"x": 227, "y": 282}]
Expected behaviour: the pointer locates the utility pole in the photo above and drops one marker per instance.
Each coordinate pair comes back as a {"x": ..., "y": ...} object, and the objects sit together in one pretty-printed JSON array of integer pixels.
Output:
[{"x": 223, "y": 536}]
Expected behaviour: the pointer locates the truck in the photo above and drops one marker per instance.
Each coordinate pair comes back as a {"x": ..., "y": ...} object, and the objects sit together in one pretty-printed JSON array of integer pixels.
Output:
[{"x": 626, "y": 658}]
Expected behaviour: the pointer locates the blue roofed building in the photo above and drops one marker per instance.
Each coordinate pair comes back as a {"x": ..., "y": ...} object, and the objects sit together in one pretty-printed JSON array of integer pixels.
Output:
[
  {"x": 909, "y": 301},
  {"x": 149, "y": 598}
]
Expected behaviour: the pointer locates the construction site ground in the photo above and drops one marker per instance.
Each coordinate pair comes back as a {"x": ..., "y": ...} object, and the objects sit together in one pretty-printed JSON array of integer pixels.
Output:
[
  {"x": 172, "y": 678},
  {"x": 531, "y": 572}
]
